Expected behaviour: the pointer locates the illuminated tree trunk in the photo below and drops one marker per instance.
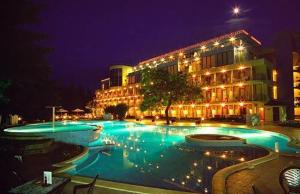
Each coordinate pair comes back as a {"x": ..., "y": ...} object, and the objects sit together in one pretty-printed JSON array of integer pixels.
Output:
[{"x": 167, "y": 111}]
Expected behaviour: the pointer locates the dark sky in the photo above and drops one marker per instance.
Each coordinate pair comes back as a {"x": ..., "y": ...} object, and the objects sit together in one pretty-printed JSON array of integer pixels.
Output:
[{"x": 89, "y": 35}]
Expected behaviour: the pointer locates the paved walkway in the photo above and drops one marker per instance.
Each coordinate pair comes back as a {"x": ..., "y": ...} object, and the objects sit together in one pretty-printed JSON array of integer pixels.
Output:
[{"x": 264, "y": 177}]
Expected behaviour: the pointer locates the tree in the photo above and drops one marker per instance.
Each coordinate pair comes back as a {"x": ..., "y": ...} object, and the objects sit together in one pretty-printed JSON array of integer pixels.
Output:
[
  {"x": 121, "y": 110},
  {"x": 110, "y": 109},
  {"x": 23, "y": 60},
  {"x": 3, "y": 85},
  {"x": 161, "y": 88}
]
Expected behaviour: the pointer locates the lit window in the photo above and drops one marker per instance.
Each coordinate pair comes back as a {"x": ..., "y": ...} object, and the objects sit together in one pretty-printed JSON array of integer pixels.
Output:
[
  {"x": 274, "y": 75},
  {"x": 275, "y": 96}
]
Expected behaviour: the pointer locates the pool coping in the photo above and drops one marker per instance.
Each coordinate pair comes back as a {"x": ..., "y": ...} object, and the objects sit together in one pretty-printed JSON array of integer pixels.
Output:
[
  {"x": 68, "y": 164},
  {"x": 118, "y": 187},
  {"x": 219, "y": 179}
]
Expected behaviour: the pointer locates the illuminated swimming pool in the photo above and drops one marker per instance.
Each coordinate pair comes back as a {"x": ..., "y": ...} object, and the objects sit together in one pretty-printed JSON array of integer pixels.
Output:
[{"x": 156, "y": 156}]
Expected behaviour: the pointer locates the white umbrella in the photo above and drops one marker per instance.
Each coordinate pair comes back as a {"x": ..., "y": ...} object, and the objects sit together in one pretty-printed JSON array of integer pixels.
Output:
[
  {"x": 77, "y": 110},
  {"x": 61, "y": 110}
]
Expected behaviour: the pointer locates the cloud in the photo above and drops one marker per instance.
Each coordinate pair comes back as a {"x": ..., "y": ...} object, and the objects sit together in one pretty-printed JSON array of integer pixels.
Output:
[{"x": 233, "y": 21}]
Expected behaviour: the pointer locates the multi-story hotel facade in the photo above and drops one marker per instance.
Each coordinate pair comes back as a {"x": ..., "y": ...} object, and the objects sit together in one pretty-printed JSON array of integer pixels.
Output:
[{"x": 236, "y": 78}]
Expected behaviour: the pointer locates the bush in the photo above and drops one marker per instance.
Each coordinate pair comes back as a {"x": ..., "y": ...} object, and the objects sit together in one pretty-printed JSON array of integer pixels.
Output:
[{"x": 121, "y": 110}]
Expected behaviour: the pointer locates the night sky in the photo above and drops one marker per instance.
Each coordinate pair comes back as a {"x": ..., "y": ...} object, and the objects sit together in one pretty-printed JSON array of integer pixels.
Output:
[{"x": 90, "y": 35}]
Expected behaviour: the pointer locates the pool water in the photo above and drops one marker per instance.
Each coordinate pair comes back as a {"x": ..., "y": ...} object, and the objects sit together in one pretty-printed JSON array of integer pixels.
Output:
[{"x": 155, "y": 156}]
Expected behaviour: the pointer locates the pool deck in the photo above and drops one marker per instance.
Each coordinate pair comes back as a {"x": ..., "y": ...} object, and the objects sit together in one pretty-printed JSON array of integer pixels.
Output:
[{"x": 241, "y": 179}]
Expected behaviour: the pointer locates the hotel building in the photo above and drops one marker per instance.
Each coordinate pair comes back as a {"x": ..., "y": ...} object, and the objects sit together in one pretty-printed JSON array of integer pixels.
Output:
[
  {"x": 296, "y": 80},
  {"x": 235, "y": 75}
]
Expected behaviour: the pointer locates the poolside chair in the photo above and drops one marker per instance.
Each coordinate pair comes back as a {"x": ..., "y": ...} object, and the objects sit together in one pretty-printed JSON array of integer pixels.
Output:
[
  {"x": 89, "y": 187},
  {"x": 290, "y": 180}
]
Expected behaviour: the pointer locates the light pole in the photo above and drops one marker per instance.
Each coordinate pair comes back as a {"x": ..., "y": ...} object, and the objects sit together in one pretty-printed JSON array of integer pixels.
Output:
[{"x": 53, "y": 113}]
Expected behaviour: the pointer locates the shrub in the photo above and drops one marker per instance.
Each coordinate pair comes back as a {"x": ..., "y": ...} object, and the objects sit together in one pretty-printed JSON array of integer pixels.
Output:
[{"x": 121, "y": 110}]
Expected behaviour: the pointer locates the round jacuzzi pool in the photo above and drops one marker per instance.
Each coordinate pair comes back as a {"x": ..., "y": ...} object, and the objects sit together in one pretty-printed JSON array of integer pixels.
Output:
[{"x": 214, "y": 140}]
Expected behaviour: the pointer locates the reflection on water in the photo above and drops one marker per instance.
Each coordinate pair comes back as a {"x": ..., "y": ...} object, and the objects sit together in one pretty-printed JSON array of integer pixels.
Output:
[
  {"x": 159, "y": 158},
  {"x": 156, "y": 156}
]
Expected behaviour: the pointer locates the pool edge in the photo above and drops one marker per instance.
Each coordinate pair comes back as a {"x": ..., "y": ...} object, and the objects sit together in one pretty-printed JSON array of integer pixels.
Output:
[{"x": 219, "y": 179}]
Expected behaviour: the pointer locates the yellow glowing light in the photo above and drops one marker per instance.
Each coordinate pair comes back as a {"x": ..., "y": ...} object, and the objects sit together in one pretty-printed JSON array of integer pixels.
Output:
[
  {"x": 197, "y": 59},
  {"x": 193, "y": 105},
  {"x": 151, "y": 83},
  {"x": 242, "y": 159},
  {"x": 223, "y": 104},
  {"x": 241, "y": 67},
  {"x": 222, "y": 45},
  {"x": 188, "y": 177},
  {"x": 183, "y": 183},
  {"x": 241, "y": 84},
  {"x": 195, "y": 164},
  {"x": 203, "y": 47},
  {"x": 223, "y": 70},
  {"x": 241, "y": 48},
  {"x": 216, "y": 43},
  {"x": 199, "y": 180},
  {"x": 231, "y": 39},
  {"x": 162, "y": 59},
  {"x": 185, "y": 61},
  {"x": 207, "y": 153},
  {"x": 194, "y": 75},
  {"x": 154, "y": 62},
  {"x": 207, "y": 105},
  {"x": 181, "y": 54},
  {"x": 209, "y": 167},
  {"x": 223, "y": 156},
  {"x": 241, "y": 104},
  {"x": 207, "y": 73},
  {"x": 206, "y": 88},
  {"x": 180, "y": 106},
  {"x": 222, "y": 86},
  {"x": 171, "y": 57},
  {"x": 173, "y": 179}
]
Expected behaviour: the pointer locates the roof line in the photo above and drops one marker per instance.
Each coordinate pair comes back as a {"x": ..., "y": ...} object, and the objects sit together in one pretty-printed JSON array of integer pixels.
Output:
[{"x": 203, "y": 43}]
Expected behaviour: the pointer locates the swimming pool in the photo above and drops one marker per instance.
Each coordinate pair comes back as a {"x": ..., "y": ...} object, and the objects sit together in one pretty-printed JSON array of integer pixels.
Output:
[{"x": 156, "y": 156}]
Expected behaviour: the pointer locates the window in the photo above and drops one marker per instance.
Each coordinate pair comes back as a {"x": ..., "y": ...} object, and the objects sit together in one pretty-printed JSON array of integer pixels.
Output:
[
  {"x": 275, "y": 96},
  {"x": 213, "y": 60},
  {"x": 116, "y": 77},
  {"x": 219, "y": 59},
  {"x": 274, "y": 75}
]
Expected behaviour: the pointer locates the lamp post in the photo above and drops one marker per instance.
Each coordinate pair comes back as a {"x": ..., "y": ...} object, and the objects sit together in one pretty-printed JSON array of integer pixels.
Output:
[{"x": 53, "y": 113}]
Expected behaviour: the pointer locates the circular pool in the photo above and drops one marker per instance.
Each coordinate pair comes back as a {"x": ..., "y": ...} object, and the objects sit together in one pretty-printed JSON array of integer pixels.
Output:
[{"x": 214, "y": 140}]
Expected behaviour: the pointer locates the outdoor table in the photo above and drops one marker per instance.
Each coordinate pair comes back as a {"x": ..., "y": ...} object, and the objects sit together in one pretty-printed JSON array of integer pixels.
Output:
[{"x": 36, "y": 186}]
